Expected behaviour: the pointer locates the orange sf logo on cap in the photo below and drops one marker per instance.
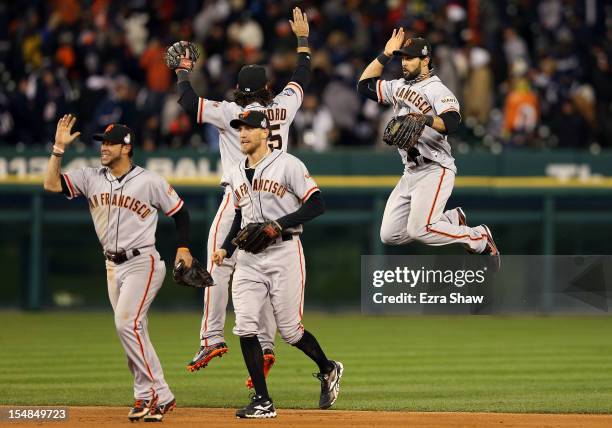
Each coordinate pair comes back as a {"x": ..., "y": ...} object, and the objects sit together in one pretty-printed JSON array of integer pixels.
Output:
[
  {"x": 408, "y": 42},
  {"x": 109, "y": 127},
  {"x": 245, "y": 114}
]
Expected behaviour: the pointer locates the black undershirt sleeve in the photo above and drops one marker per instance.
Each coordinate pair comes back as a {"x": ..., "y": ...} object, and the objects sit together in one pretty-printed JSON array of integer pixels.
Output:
[
  {"x": 227, "y": 244},
  {"x": 188, "y": 99},
  {"x": 313, "y": 207},
  {"x": 367, "y": 88},
  {"x": 301, "y": 75},
  {"x": 65, "y": 189},
  {"x": 451, "y": 121},
  {"x": 181, "y": 220}
]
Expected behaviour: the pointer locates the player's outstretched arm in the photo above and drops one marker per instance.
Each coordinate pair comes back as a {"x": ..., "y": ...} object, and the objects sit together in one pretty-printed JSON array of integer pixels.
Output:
[
  {"x": 367, "y": 81},
  {"x": 63, "y": 138},
  {"x": 300, "y": 28},
  {"x": 181, "y": 57},
  {"x": 375, "y": 68}
]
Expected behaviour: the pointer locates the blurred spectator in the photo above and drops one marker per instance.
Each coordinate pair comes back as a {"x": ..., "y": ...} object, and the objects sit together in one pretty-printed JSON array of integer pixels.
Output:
[
  {"x": 315, "y": 124},
  {"x": 478, "y": 89},
  {"x": 104, "y": 61},
  {"x": 573, "y": 129},
  {"x": 520, "y": 113}
]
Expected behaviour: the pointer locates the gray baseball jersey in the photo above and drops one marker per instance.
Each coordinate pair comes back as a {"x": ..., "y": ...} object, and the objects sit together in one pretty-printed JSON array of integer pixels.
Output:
[
  {"x": 430, "y": 97},
  {"x": 125, "y": 218},
  {"x": 280, "y": 112},
  {"x": 124, "y": 212},
  {"x": 281, "y": 184}
]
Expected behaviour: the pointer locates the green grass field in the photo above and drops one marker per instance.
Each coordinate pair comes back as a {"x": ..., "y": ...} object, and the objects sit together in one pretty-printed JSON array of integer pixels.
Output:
[{"x": 429, "y": 363}]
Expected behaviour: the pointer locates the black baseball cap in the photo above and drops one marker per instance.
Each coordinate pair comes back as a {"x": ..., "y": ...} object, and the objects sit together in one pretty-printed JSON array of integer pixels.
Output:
[
  {"x": 416, "y": 47},
  {"x": 252, "y": 78},
  {"x": 117, "y": 134},
  {"x": 252, "y": 118}
]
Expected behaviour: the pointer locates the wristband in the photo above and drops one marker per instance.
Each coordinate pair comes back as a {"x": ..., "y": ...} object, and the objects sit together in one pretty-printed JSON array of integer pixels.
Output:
[
  {"x": 58, "y": 149},
  {"x": 302, "y": 42},
  {"x": 429, "y": 121},
  {"x": 383, "y": 58}
]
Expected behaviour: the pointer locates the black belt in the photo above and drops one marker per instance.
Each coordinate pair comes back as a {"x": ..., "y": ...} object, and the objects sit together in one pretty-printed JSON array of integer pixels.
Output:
[
  {"x": 415, "y": 156},
  {"x": 121, "y": 257},
  {"x": 288, "y": 236}
]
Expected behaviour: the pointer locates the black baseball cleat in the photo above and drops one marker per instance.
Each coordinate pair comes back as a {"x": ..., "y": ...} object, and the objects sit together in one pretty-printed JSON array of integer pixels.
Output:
[
  {"x": 258, "y": 408},
  {"x": 205, "y": 354},
  {"x": 157, "y": 412},
  {"x": 330, "y": 385},
  {"x": 491, "y": 249},
  {"x": 140, "y": 409}
]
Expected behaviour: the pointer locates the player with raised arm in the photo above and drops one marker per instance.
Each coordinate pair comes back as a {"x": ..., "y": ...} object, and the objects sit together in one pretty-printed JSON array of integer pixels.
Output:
[
  {"x": 252, "y": 93},
  {"x": 123, "y": 200},
  {"x": 425, "y": 113}
]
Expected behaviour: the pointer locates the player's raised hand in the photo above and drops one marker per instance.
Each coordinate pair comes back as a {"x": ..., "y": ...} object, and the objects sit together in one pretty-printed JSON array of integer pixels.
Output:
[
  {"x": 185, "y": 255},
  {"x": 395, "y": 42},
  {"x": 299, "y": 25},
  {"x": 63, "y": 135},
  {"x": 219, "y": 256}
]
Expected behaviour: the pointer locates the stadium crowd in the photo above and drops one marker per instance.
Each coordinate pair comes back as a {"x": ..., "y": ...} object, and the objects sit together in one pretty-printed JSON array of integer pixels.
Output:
[{"x": 527, "y": 73}]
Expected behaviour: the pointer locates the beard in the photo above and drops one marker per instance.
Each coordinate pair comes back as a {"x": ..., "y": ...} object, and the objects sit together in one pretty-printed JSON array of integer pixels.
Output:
[{"x": 411, "y": 75}]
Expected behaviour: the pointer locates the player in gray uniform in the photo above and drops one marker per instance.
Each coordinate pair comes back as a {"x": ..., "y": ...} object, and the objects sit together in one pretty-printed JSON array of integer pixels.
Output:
[
  {"x": 415, "y": 208},
  {"x": 252, "y": 93},
  {"x": 123, "y": 200},
  {"x": 272, "y": 185}
]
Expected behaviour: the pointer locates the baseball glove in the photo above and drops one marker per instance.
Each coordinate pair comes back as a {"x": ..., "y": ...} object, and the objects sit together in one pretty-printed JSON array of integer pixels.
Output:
[
  {"x": 182, "y": 55},
  {"x": 195, "y": 276},
  {"x": 404, "y": 131},
  {"x": 256, "y": 237}
]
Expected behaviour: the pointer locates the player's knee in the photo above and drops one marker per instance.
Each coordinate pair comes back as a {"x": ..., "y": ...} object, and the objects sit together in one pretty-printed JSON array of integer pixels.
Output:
[
  {"x": 389, "y": 237},
  {"x": 291, "y": 334},
  {"x": 416, "y": 231},
  {"x": 124, "y": 324}
]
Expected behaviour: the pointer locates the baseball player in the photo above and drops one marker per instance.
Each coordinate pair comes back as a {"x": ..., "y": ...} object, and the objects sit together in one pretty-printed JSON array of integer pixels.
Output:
[
  {"x": 252, "y": 93},
  {"x": 415, "y": 208},
  {"x": 123, "y": 200},
  {"x": 272, "y": 187}
]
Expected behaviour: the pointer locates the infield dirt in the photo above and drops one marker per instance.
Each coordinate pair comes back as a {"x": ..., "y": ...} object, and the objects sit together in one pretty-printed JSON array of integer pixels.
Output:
[{"x": 198, "y": 417}]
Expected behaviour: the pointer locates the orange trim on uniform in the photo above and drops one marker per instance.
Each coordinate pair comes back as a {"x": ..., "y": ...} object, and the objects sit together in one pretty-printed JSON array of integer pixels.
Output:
[
  {"x": 379, "y": 89},
  {"x": 428, "y": 226},
  {"x": 310, "y": 192},
  {"x": 144, "y": 297},
  {"x": 175, "y": 209},
  {"x": 302, "y": 277},
  {"x": 200, "y": 109},
  {"x": 70, "y": 187},
  {"x": 298, "y": 87}
]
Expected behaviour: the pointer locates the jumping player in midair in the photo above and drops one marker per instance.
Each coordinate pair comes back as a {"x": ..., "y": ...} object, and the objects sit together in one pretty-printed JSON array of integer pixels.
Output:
[
  {"x": 272, "y": 186},
  {"x": 415, "y": 208},
  {"x": 123, "y": 200},
  {"x": 252, "y": 93}
]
